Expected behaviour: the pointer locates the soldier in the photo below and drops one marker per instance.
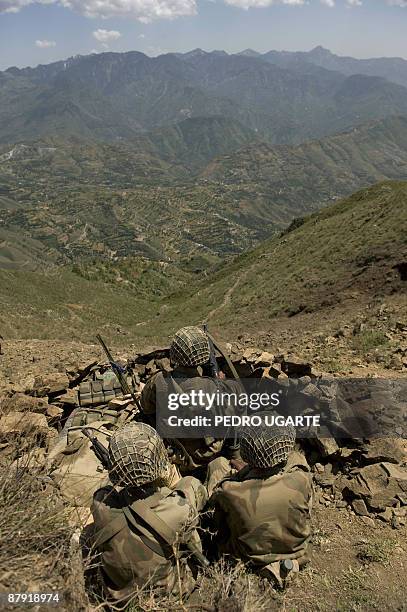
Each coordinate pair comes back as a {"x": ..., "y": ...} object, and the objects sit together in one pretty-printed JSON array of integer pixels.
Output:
[
  {"x": 189, "y": 354},
  {"x": 263, "y": 512},
  {"x": 145, "y": 531}
]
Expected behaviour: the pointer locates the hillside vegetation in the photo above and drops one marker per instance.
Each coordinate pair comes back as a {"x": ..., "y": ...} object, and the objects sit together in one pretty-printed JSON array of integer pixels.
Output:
[
  {"x": 62, "y": 201},
  {"x": 354, "y": 250},
  {"x": 118, "y": 96}
]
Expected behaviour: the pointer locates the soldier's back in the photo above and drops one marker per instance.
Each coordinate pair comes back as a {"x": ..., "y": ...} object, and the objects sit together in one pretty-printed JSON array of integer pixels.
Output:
[{"x": 266, "y": 518}]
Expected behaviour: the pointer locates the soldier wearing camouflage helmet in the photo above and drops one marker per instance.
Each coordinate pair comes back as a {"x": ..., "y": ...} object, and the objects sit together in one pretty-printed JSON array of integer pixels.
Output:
[
  {"x": 144, "y": 530},
  {"x": 189, "y": 356},
  {"x": 263, "y": 512}
]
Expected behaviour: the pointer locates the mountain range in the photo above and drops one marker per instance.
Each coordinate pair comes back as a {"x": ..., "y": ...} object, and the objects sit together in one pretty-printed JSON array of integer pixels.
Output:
[
  {"x": 64, "y": 200},
  {"x": 284, "y": 98}
]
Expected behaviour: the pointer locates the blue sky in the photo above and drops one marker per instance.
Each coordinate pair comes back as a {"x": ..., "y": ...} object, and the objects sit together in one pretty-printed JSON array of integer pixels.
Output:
[{"x": 33, "y": 32}]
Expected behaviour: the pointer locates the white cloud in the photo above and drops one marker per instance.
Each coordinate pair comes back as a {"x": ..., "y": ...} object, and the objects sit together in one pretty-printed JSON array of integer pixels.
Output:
[
  {"x": 14, "y": 6},
  {"x": 45, "y": 44},
  {"x": 105, "y": 36},
  {"x": 246, "y": 4},
  {"x": 148, "y": 10},
  {"x": 143, "y": 10}
]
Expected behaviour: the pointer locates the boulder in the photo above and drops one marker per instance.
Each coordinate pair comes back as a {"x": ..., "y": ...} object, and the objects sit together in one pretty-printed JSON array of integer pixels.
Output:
[
  {"x": 54, "y": 385},
  {"x": 54, "y": 412},
  {"x": 392, "y": 450},
  {"x": 293, "y": 366},
  {"x": 265, "y": 360},
  {"x": 326, "y": 445},
  {"x": 19, "y": 402},
  {"x": 273, "y": 371},
  {"x": 386, "y": 516},
  {"x": 250, "y": 355},
  {"x": 378, "y": 485},
  {"x": 359, "y": 507},
  {"x": 17, "y": 423}
]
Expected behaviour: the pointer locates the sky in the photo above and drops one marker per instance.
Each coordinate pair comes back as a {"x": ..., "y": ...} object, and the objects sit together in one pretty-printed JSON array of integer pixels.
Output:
[{"x": 41, "y": 31}]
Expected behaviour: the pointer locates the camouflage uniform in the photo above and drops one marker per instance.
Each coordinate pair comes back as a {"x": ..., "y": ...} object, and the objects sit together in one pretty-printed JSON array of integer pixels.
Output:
[
  {"x": 140, "y": 530},
  {"x": 263, "y": 513},
  {"x": 189, "y": 351}
]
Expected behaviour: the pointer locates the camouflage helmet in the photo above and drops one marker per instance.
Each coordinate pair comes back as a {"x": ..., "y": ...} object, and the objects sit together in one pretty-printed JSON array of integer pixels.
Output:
[
  {"x": 266, "y": 446},
  {"x": 137, "y": 456},
  {"x": 190, "y": 347}
]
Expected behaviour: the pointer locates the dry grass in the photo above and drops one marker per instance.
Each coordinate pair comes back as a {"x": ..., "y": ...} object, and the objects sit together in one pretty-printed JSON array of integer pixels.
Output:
[{"x": 36, "y": 554}]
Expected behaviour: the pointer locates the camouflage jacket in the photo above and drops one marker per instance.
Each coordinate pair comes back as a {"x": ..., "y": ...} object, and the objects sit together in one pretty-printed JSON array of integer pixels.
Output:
[
  {"x": 201, "y": 450},
  {"x": 132, "y": 553},
  {"x": 263, "y": 518}
]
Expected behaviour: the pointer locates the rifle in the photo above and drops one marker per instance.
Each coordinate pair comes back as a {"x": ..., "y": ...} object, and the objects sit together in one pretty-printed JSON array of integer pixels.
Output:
[
  {"x": 100, "y": 451},
  {"x": 213, "y": 363},
  {"x": 233, "y": 446},
  {"x": 118, "y": 371}
]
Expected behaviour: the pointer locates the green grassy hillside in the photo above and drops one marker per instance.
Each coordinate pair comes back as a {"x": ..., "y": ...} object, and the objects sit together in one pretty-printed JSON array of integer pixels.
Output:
[{"x": 355, "y": 248}]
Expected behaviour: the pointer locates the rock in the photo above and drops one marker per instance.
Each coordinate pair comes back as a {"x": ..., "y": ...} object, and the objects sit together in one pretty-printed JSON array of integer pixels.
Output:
[
  {"x": 359, "y": 507},
  {"x": 34, "y": 459},
  {"x": 53, "y": 386},
  {"x": 273, "y": 371},
  {"x": 151, "y": 368},
  {"x": 392, "y": 450},
  {"x": 19, "y": 402},
  {"x": 17, "y": 422},
  {"x": 396, "y": 523},
  {"x": 311, "y": 390},
  {"x": 54, "y": 412},
  {"x": 319, "y": 468},
  {"x": 378, "y": 485},
  {"x": 325, "y": 480},
  {"x": 341, "y": 503},
  {"x": 327, "y": 446},
  {"x": 251, "y": 355},
  {"x": 293, "y": 366},
  {"x": 368, "y": 521},
  {"x": 265, "y": 360},
  {"x": 386, "y": 516}
]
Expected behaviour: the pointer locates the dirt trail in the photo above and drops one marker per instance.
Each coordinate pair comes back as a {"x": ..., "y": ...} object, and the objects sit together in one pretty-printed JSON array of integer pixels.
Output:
[{"x": 228, "y": 295}]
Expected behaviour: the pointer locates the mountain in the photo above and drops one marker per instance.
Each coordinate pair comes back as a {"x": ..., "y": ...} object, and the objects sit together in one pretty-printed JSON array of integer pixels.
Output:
[
  {"x": 352, "y": 252},
  {"x": 294, "y": 180},
  {"x": 193, "y": 142},
  {"x": 120, "y": 96},
  {"x": 69, "y": 200},
  {"x": 391, "y": 68}
]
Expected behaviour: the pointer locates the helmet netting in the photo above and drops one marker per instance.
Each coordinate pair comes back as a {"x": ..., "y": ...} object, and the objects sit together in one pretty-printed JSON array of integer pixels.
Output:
[
  {"x": 137, "y": 456},
  {"x": 266, "y": 447},
  {"x": 190, "y": 347}
]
